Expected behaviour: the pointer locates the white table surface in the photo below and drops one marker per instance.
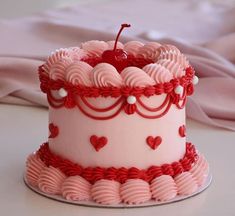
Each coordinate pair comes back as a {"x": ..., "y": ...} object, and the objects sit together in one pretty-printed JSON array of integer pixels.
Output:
[{"x": 23, "y": 129}]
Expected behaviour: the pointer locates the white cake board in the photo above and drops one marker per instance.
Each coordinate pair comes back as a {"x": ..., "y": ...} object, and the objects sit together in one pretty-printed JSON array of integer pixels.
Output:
[{"x": 122, "y": 205}]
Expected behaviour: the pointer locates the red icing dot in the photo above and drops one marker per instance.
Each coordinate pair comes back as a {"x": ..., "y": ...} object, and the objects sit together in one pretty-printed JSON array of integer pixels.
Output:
[
  {"x": 182, "y": 131},
  {"x": 54, "y": 130}
]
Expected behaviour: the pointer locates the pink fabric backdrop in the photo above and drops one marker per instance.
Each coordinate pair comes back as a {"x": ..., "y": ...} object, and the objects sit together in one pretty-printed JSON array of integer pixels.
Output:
[{"x": 203, "y": 31}]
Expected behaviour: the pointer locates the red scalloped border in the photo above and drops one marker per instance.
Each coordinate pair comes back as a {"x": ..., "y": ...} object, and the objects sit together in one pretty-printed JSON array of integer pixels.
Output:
[
  {"x": 93, "y": 174},
  {"x": 48, "y": 84},
  {"x": 72, "y": 100}
]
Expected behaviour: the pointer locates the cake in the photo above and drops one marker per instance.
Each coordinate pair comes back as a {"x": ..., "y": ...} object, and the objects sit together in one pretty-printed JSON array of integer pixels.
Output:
[{"x": 117, "y": 133}]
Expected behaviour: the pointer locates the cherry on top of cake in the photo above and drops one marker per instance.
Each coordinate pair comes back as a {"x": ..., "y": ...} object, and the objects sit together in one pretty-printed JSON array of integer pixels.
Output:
[{"x": 104, "y": 64}]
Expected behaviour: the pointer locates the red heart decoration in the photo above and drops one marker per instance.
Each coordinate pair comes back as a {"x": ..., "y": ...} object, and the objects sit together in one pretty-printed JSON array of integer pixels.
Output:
[
  {"x": 182, "y": 131},
  {"x": 98, "y": 142},
  {"x": 154, "y": 142},
  {"x": 54, "y": 130}
]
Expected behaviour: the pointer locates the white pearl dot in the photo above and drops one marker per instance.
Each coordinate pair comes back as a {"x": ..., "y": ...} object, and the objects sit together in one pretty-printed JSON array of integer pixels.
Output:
[
  {"x": 195, "y": 80},
  {"x": 62, "y": 92},
  {"x": 131, "y": 99},
  {"x": 179, "y": 89}
]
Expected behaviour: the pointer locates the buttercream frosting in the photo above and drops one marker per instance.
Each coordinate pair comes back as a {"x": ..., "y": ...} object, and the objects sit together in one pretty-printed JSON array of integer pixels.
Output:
[
  {"x": 68, "y": 64},
  {"x": 95, "y": 47},
  {"x": 149, "y": 51},
  {"x": 178, "y": 58},
  {"x": 57, "y": 70},
  {"x": 168, "y": 48},
  {"x": 186, "y": 183},
  {"x": 135, "y": 191},
  {"x": 132, "y": 47},
  {"x": 158, "y": 73},
  {"x": 133, "y": 76},
  {"x": 50, "y": 180},
  {"x": 105, "y": 75},
  {"x": 176, "y": 69},
  {"x": 79, "y": 73},
  {"x": 55, "y": 57},
  {"x": 106, "y": 192},
  {"x": 200, "y": 170},
  {"x": 163, "y": 188},
  {"x": 76, "y": 188},
  {"x": 34, "y": 166},
  {"x": 76, "y": 53}
]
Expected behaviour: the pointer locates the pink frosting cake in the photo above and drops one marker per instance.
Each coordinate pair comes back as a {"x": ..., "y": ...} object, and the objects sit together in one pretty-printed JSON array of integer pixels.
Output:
[{"x": 117, "y": 125}]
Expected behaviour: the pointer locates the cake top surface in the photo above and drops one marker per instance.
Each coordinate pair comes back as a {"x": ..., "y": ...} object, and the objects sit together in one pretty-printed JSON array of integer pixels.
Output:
[
  {"x": 147, "y": 64},
  {"x": 113, "y": 69}
]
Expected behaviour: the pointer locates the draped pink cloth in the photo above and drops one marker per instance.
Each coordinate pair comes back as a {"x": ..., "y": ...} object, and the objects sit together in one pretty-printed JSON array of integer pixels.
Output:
[{"x": 204, "y": 32}]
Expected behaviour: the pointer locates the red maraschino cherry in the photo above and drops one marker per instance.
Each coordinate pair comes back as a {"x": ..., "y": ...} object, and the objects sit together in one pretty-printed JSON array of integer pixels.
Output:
[{"x": 116, "y": 57}]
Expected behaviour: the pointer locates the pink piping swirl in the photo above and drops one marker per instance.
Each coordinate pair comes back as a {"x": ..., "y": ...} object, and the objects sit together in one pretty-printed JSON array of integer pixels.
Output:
[
  {"x": 56, "y": 66},
  {"x": 168, "y": 48},
  {"x": 55, "y": 57},
  {"x": 135, "y": 191},
  {"x": 133, "y": 76},
  {"x": 186, "y": 183},
  {"x": 57, "y": 71},
  {"x": 158, "y": 73},
  {"x": 200, "y": 170},
  {"x": 77, "y": 53},
  {"x": 76, "y": 188},
  {"x": 132, "y": 47},
  {"x": 150, "y": 51},
  {"x": 50, "y": 180},
  {"x": 34, "y": 166},
  {"x": 105, "y": 75},
  {"x": 106, "y": 192},
  {"x": 175, "y": 57},
  {"x": 79, "y": 73},
  {"x": 176, "y": 69},
  {"x": 95, "y": 47},
  {"x": 163, "y": 188}
]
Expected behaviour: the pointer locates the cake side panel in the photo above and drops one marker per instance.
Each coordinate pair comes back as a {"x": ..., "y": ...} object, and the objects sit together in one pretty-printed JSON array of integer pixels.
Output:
[{"x": 127, "y": 142}]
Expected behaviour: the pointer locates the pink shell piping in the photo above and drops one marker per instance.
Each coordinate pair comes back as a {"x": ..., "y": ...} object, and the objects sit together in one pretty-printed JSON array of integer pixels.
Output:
[
  {"x": 34, "y": 166},
  {"x": 76, "y": 188},
  {"x": 106, "y": 192},
  {"x": 135, "y": 191},
  {"x": 79, "y": 73},
  {"x": 133, "y": 76},
  {"x": 176, "y": 69},
  {"x": 186, "y": 183},
  {"x": 132, "y": 47},
  {"x": 200, "y": 170},
  {"x": 158, "y": 73},
  {"x": 105, "y": 75},
  {"x": 50, "y": 180},
  {"x": 163, "y": 188},
  {"x": 149, "y": 51}
]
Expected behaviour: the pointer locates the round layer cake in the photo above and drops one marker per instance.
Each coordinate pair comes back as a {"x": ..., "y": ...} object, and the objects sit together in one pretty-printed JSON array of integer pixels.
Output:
[{"x": 117, "y": 125}]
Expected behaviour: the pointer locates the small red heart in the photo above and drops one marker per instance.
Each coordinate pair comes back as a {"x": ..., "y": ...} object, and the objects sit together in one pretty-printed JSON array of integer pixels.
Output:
[
  {"x": 154, "y": 142},
  {"x": 54, "y": 130},
  {"x": 182, "y": 131},
  {"x": 98, "y": 142}
]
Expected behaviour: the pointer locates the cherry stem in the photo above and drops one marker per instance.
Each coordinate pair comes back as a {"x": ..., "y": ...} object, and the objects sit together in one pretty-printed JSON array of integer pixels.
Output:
[{"x": 118, "y": 35}]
